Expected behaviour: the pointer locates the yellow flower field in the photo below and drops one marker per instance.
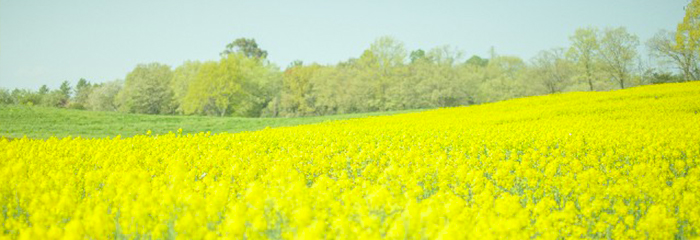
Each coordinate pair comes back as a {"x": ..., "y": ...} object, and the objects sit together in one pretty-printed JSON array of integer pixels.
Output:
[{"x": 621, "y": 164}]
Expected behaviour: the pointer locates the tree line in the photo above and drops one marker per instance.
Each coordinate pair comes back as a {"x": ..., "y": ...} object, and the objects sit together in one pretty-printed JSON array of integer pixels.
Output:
[{"x": 385, "y": 77}]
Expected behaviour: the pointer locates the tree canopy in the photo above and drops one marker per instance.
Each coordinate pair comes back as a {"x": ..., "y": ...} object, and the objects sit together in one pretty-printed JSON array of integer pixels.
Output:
[{"x": 384, "y": 76}]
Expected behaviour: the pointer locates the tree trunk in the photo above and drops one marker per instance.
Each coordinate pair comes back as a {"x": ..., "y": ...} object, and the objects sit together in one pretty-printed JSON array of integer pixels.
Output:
[
  {"x": 622, "y": 82},
  {"x": 588, "y": 77}
]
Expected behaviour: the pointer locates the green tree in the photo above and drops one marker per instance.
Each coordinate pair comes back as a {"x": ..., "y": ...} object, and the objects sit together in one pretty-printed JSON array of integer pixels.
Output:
[
  {"x": 297, "y": 91},
  {"x": 618, "y": 52},
  {"x": 43, "y": 90},
  {"x": 377, "y": 68},
  {"x": 183, "y": 76},
  {"x": 552, "y": 70},
  {"x": 42, "y": 94},
  {"x": 336, "y": 89},
  {"x": 266, "y": 80},
  {"x": 25, "y": 97},
  {"x": 236, "y": 85},
  {"x": 56, "y": 98},
  {"x": 502, "y": 79},
  {"x": 147, "y": 90},
  {"x": 246, "y": 46},
  {"x": 66, "y": 90},
  {"x": 295, "y": 63},
  {"x": 5, "y": 96},
  {"x": 82, "y": 92},
  {"x": 584, "y": 52},
  {"x": 688, "y": 31},
  {"x": 477, "y": 61},
  {"x": 103, "y": 97},
  {"x": 417, "y": 55},
  {"x": 388, "y": 52},
  {"x": 666, "y": 50},
  {"x": 442, "y": 85},
  {"x": 404, "y": 90}
]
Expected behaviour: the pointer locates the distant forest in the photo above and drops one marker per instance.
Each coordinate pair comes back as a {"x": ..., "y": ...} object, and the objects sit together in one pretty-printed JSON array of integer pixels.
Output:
[{"x": 386, "y": 76}]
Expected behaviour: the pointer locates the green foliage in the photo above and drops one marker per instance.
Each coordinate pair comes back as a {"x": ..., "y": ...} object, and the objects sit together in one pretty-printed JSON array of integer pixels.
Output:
[
  {"x": 236, "y": 85},
  {"x": 296, "y": 63},
  {"x": 385, "y": 77},
  {"x": 663, "y": 47},
  {"x": 477, "y": 61},
  {"x": 552, "y": 70},
  {"x": 584, "y": 53},
  {"x": 664, "y": 77},
  {"x": 417, "y": 55},
  {"x": 442, "y": 84},
  {"x": 381, "y": 80},
  {"x": 183, "y": 76},
  {"x": 5, "y": 96},
  {"x": 618, "y": 52},
  {"x": 247, "y": 47},
  {"x": 503, "y": 79},
  {"x": 65, "y": 89},
  {"x": 147, "y": 90},
  {"x": 297, "y": 91},
  {"x": 43, "y": 90},
  {"x": 103, "y": 97},
  {"x": 82, "y": 91},
  {"x": 55, "y": 98},
  {"x": 25, "y": 97},
  {"x": 688, "y": 31}
]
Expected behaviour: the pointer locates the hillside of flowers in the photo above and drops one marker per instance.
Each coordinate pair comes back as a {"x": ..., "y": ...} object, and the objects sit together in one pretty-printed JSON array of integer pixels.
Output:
[{"x": 620, "y": 164}]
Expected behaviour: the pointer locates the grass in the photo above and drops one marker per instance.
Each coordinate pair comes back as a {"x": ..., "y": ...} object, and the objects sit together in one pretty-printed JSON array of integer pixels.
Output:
[{"x": 43, "y": 122}]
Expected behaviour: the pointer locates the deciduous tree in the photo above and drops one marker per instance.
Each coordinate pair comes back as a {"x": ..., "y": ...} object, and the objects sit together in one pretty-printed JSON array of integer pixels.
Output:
[
  {"x": 235, "y": 85},
  {"x": 666, "y": 50},
  {"x": 618, "y": 52},
  {"x": 584, "y": 52},
  {"x": 147, "y": 90},
  {"x": 552, "y": 70},
  {"x": 104, "y": 96},
  {"x": 245, "y": 46}
]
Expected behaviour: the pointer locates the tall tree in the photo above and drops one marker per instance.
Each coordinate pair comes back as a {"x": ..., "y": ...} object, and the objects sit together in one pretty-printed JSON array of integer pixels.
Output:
[
  {"x": 378, "y": 63},
  {"x": 443, "y": 85},
  {"x": 65, "y": 89},
  {"x": 389, "y": 52},
  {"x": 552, "y": 69},
  {"x": 618, "y": 51},
  {"x": 502, "y": 79},
  {"x": 688, "y": 31},
  {"x": 103, "y": 97},
  {"x": 297, "y": 90},
  {"x": 82, "y": 92},
  {"x": 236, "y": 85},
  {"x": 584, "y": 51},
  {"x": 61, "y": 96},
  {"x": 477, "y": 61},
  {"x": 246, "y": 46},
  {"x": 147, "y": 90},
  {"x": 42, "y": 94},
  {"x": 663, "y": 47},
  {"x": 43, "y": 90},
  {"x": 183, "y": 76},
  {"x": 417, "y": 55}
]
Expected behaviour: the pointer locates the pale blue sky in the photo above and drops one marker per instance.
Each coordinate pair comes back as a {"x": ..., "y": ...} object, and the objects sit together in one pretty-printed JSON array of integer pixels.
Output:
[{"x": 46, "y": 42}]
